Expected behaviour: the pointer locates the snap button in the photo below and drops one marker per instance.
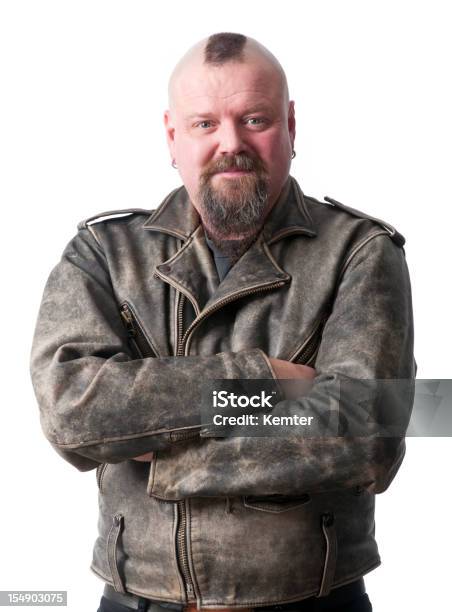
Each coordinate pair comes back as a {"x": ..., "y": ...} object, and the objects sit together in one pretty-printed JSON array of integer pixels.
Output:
[{"x": 165, "y": 268}]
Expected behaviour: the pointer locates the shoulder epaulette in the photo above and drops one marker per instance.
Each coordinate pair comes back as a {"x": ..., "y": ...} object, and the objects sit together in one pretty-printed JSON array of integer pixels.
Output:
[
  {"x": 393, "y": 233},
  {"x": 120, "y": 212}
]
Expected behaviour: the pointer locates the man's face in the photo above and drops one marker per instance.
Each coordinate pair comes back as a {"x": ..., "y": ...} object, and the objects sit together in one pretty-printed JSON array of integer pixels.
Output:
[{"x": 231, "y": 131}]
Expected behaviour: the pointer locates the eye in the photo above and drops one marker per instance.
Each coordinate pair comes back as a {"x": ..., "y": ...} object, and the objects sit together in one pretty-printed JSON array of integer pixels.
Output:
[
  {"x": 204, "y": 124},
  {"x": 255, "y": 121}
]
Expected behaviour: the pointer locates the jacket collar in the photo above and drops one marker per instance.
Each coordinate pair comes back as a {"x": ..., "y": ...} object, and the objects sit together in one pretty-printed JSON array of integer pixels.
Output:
[
  {"x": 191, "y": 269},
  {"x": 178, "y": 217}
]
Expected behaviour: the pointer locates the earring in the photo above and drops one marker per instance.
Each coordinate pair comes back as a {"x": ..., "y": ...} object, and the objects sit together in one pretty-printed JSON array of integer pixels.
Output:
[
  {"x": 293, "y": 153},
  {"x": 173, "y": 163}
]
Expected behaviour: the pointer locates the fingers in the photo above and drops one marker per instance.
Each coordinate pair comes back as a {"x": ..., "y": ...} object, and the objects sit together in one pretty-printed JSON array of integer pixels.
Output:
[{"x": 146, "y": 457}]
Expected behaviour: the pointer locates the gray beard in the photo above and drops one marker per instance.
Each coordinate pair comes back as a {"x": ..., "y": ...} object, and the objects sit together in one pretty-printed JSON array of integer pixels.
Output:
[{"x": 237, "y": 211}]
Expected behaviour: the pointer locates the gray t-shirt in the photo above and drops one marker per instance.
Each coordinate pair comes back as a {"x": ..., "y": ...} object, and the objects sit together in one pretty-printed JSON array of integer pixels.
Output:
[
  {"x": 223, "y": 266},
  {"x": 221, "y": 261}
]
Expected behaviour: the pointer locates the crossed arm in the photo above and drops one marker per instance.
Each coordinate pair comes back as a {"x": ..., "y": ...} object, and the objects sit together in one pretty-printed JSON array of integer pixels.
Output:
[
  {"x": 100, "y": 404},
  {"x": 282, "y": 369}
]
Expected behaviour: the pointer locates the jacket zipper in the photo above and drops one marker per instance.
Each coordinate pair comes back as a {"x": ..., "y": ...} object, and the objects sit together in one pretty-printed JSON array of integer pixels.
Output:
[
  {"x": 182, "y": 553},
  {"x": 100, "y": 474},
  {"x": 181, "y": 536},
  {"x": 180, "y": 319},
  {"x": 135, "y": 331},
  {"x": 112, "y": 550},
  {"x": 329, "y": 567},
  {"x": 220, "y": 304},
  {"x": 307, "y": 352},
  {"x": 185, "y": 434}
]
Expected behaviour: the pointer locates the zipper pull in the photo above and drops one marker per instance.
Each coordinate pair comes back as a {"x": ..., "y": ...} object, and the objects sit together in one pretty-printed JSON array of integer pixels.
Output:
[
  {"x": 128, "y": 319},
  {"x": 190, "y": 592}
]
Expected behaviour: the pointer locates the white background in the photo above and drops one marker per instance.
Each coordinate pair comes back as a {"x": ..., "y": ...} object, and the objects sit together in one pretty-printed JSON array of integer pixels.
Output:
[{"x": 83, "y": 89}]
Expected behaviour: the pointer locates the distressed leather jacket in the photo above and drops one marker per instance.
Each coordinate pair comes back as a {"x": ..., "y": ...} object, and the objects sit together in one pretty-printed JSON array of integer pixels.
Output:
[{"x": 236, "y": 521}]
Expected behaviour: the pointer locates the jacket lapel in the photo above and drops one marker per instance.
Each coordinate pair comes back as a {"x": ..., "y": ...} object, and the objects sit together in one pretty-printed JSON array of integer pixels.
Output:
[{"x": 192, "y": 268}]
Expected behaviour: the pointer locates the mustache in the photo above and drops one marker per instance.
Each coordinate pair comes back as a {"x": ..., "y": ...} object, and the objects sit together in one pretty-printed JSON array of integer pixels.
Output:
[{"x": 238, "y": 161}]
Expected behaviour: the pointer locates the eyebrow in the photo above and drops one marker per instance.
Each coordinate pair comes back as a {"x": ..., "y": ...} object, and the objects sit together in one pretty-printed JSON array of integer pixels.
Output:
[{"x": 257, "y": 108}]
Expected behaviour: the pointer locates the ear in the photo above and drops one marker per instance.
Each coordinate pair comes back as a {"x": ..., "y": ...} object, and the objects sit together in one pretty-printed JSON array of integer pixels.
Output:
[
  {"x": 291, "y": 122},
  {"x": 170, "y": 133}
]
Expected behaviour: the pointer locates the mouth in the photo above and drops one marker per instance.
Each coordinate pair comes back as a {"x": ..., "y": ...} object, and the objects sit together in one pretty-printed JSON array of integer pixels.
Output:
[{"x": 234, "y": 172}]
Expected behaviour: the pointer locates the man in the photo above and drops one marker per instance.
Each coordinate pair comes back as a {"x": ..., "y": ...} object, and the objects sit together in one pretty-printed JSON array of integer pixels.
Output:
[{"x": 236, "y": 275}]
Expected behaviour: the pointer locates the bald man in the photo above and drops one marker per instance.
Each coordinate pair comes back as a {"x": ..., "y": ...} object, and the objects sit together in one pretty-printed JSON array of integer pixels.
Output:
[{"x": 237, "y": 275}]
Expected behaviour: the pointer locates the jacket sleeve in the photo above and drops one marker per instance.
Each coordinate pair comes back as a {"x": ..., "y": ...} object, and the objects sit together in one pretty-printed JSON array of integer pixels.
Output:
[
  {"x": 367, "y": 338},
  {"x": 97, "y": 402}
]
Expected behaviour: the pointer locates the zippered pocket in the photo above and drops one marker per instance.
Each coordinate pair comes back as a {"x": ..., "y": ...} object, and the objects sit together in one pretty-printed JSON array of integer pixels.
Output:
[
  {"x": 307, "y": 352},
  {"x": 112, "y": 551},
  {"x": 100, "y": 471},
  {"x": 185, "y": 434},
  {"x": 182, "y": 552},
  {"x": 137, "y": 336},
  {"x": 275, "y": 503}
]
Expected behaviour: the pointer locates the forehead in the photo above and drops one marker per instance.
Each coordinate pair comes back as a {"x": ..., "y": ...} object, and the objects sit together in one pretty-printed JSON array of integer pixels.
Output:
[{"x": 232, "y": 84}]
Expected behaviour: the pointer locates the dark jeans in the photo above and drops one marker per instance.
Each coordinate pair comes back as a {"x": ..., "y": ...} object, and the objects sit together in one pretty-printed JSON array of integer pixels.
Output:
[{"x": 359, "y": 604}]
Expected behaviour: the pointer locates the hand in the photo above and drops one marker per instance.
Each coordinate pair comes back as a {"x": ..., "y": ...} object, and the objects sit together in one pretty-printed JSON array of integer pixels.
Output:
[
  {"x": 146, "y": 457},
  {"x": 290, "y": 374},
  {"x": 287, "y": 369}
]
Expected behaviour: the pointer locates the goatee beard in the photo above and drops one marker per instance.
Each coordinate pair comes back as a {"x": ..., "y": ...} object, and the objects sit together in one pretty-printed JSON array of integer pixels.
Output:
[{"x": 233, "y": 212}]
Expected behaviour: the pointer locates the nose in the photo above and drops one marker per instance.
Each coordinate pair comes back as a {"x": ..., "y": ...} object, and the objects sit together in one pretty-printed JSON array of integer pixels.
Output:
[{"x": 230, "y": 139}]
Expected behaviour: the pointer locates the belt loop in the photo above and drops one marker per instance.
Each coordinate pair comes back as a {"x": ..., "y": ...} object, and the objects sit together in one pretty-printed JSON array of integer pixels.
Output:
[
  {"x": 112, "y": 542},
  {"x": 329, "y": 567}
]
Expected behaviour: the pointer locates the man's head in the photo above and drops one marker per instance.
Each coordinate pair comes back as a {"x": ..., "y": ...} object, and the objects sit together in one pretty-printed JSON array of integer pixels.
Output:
[{"x": 230, "y": 129}]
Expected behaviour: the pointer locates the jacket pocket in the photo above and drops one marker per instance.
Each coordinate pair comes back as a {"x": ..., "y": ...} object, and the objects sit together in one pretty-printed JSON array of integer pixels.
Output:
[
  {"x": 184, "y": 434},
  {"x": 137, "y": 336},
  {"x": 275, "y": 503},
  {"x": 306, "y": 353},
  {"x": 329, "y": 566},
  {"x": 112, "y": 551}
]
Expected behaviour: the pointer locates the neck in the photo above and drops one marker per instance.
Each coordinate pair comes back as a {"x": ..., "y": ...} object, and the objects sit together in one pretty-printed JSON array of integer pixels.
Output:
[{"x": 233, "y": 248}]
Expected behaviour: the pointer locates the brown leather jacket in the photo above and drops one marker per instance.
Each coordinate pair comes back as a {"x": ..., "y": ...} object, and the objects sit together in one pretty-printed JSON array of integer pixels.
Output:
[{"x": 239, "y": 521}]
